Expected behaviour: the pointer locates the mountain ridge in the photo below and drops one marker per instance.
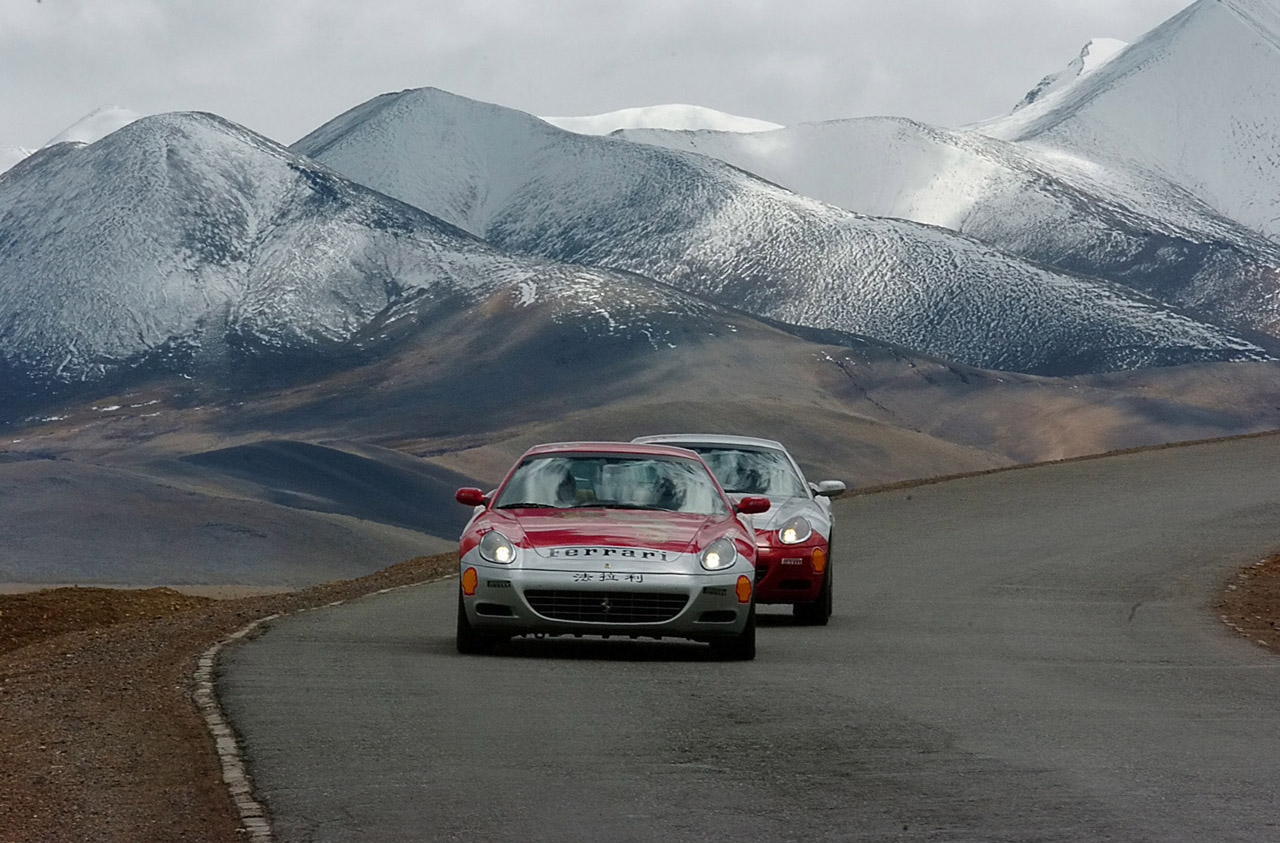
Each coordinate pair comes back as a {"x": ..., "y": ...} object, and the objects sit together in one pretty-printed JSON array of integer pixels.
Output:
[
  {"x": 186, "y": 243},
  {"x": 723, "y": 234},
  {"x": 1094, "y": 54},
  {"x": 1159, "y": 106}
]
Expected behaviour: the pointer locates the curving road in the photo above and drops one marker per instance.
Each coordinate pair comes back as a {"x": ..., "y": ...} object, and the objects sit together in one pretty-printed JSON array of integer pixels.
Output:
[{"x": 1017, "y": 657}]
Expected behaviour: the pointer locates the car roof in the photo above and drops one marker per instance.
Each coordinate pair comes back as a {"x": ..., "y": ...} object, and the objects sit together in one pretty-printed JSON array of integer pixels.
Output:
[
  {"x": 711, "y": 439},
  {"x": 631, "y": 448}
]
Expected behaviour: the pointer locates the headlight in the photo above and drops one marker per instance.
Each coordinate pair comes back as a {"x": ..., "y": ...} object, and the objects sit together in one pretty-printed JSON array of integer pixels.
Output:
[
  {"x": 718, "y": 555},
  {"x": 495, "y": 547},
  {"x": 796, "y": 530}
]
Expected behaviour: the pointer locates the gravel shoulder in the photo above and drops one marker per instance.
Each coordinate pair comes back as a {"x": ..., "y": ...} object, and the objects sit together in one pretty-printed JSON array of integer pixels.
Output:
[{"x": 100, "y": 739}]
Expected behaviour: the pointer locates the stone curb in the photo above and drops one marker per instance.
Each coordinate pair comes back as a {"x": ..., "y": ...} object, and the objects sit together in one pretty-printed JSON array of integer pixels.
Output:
[
  {"x": 254, "y": 820},
  {"x": 253, "y": 815}
]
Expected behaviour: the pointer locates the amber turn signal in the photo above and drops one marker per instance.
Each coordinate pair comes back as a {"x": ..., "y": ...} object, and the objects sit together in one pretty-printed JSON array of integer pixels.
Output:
[
  {"x": 470, "y": 579},
  {"x": 744, "y": 589},
  {"x": 819, "y": 560}
]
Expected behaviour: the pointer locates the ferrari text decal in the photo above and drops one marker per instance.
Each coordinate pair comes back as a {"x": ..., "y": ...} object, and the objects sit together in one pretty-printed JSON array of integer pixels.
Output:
[{"x": 605, "y": 553}]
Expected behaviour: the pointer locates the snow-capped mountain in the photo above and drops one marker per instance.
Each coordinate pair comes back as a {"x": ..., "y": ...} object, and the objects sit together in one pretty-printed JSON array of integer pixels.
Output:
[
  {"x": 96, "y": 124},
  {"x": 10, "y": 155},
  {"x": 1094, "y": 55},
  {"x": 1099, "y": 219},
  {"x": 685, "y": 117},
  {"x": 1196, "y": 100},
  {"x": 727, "y": 236},
  {"x": 183, "y": 241}
]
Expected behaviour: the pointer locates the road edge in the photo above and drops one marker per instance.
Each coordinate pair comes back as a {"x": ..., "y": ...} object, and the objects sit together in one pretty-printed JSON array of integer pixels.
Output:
[
  {"x": 1004, "y": 469},
  {"x": 255, "y": 820}
]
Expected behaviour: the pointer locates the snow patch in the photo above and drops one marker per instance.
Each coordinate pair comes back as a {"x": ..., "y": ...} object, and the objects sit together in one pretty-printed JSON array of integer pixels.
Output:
[
  {"x": 527, "y": 292},
  {"x": 96, "y": 125},
  {"x": 684, "y": 117}
]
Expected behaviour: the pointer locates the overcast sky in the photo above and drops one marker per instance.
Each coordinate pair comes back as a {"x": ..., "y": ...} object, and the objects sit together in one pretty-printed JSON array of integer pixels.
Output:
[{"x": 283, "y": 67}]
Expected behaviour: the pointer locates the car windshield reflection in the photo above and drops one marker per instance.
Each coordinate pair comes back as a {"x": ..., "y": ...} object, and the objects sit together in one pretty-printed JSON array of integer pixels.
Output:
[
  {"x": 574, "y": 481},
  {"x": 751, "y": 471}
]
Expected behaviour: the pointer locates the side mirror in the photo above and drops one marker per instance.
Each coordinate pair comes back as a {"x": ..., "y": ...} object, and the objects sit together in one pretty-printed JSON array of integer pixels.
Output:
[
  {"x": 829, "y": 488},
  {"x": 753, "y": 505},
  {"x": 471, "y": 497}
]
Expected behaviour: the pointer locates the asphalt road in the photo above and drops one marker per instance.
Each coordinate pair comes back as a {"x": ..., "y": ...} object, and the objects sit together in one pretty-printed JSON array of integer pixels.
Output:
[{"x": 1027, "y": 656}]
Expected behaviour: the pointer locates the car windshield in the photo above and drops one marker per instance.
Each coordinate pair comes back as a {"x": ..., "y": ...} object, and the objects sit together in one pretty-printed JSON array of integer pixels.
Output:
[
  {"x": 751, "y": 471},
  {"x": 619, "y": 481}
]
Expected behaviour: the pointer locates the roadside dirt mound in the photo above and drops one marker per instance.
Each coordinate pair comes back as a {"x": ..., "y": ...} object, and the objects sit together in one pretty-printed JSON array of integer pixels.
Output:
[
  {"x": 1251, "y": 602},
  {"x": 28, "y": 618}
]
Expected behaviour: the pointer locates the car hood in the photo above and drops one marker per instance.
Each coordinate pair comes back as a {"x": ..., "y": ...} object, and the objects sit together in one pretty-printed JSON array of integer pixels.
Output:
[{"x": 670, "y": 531}]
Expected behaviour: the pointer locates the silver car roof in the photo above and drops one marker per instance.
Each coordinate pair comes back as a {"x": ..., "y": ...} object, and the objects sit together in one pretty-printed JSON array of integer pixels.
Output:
[{"x": 711, "y": 439}]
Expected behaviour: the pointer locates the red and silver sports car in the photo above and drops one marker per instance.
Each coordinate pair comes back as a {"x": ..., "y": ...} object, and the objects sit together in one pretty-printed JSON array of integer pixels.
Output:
[
  {"x": 612, "y": 539},
  {"x": 793, "y": 539}
]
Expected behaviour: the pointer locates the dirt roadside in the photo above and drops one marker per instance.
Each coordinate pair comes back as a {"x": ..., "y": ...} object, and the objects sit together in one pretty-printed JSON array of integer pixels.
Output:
[
  {"x": 1250, "y": 603},
  {"x": 100, "y": 739}
]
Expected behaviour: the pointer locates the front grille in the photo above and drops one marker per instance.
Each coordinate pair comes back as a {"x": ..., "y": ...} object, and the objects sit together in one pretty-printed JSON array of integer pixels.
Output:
[{"x": 606, "y": 606}]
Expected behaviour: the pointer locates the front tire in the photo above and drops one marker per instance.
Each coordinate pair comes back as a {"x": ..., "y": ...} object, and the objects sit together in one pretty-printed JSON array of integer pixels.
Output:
[
  {"x": 742, "y": 647},
  {"x": 817, "y": 612}
]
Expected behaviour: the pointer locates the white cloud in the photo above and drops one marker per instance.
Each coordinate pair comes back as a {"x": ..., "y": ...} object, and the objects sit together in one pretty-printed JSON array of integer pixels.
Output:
[{"x": 285, "y": 66}]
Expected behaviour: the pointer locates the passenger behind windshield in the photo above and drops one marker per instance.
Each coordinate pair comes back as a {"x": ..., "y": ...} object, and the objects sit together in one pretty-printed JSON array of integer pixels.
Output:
[
  {"x": 570, "y": 481},
  {"x": 744, "y": 471}
]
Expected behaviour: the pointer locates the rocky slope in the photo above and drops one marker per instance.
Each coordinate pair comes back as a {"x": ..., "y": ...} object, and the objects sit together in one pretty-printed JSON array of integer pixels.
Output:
[{"x": 1104, "y": 219}]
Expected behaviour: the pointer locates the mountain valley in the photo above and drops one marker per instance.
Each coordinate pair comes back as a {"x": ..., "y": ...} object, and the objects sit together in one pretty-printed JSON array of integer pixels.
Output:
[{"x": 251, "y": 351}]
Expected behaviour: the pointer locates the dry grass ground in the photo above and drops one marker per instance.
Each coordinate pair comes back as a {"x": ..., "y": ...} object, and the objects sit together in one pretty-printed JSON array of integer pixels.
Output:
[{"x": 100, "y": 739}]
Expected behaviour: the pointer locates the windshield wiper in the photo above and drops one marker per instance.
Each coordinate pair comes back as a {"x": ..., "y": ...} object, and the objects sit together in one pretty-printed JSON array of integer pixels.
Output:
[{"x": 525, "y": 505}]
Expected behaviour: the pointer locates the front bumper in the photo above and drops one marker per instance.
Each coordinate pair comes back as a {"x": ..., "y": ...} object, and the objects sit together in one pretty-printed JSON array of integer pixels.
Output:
[
  {"x": 788, "y": 574},
  {"x": 595, "y": 601}
]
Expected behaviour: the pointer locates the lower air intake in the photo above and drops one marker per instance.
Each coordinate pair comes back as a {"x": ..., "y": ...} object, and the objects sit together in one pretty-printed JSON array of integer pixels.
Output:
[{"x": 606, "y": 606}]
